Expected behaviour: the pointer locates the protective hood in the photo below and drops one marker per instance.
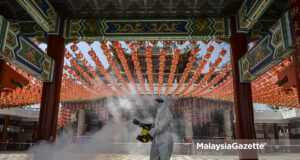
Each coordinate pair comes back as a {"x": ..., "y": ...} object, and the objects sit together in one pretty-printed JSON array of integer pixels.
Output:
[{"x": 162, "y": 102}]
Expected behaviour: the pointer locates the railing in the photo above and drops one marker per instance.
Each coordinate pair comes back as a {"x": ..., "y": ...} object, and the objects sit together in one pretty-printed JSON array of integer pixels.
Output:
[{"x": 13, "y": 146}]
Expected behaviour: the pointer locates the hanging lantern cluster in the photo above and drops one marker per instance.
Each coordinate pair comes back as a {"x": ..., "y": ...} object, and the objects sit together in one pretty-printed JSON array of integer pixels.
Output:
[
  {"x": 114, "y": 66},
  {"x": 123, "y": 60},
  {"x": 173, "y": 70},
  {"x": 268, "y": 93},
  {"x": 162, "y": 60},
  {"x": 198, "y": 72},
  {"x": 224, "y": 91},
  {"x": 207, "y": 76},
  {"x": 215, "y": 80},
  {"x": 187, "y": 70},
  {"x": 64, "y": 116},
  {"x": 81, "y": 81},
  {"x": 180, "y": 42},
  {"x": 27, "y": 95},
  {"x": 136, "y": 63},
  {"x": 81, "y": 74},
  {"x": 149, "y": 68},
  {"x": 104, "y": 72}
]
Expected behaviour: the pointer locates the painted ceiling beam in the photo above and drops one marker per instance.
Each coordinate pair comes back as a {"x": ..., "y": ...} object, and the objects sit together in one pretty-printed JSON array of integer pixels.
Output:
[
  {"x": 147, "y": 29},
  {"x": 273, "y": 48},
  {"x": 20, "y": 51},
  {"x": 249, "y": 13},
  {"x": 32, "y": 30},
  {"x": 260, "y": 28},
  {"x": 43, "y": 13}
]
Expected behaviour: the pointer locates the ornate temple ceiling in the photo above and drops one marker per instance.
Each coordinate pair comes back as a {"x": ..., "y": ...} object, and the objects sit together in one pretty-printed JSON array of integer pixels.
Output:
[{"x": 141, "y": 8}]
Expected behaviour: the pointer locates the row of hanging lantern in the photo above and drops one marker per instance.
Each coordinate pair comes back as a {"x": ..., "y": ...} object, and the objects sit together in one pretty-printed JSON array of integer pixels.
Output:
[
  {"x": 123, "y": 60},
  {"x": 221, "y": 75},
  {"x": 223, "y": 91},
  {"x": 187, "y": 70},
  {"x": 100, "y": 84},
  {"x": 114, "y": 66},
  {"x": 80, "y": 71},
  {"x": 64, "y": 116},
  {"x": 172, "y": 70},
  {"x": 149, "y": 68},
  {"x": 87, "y": 81},
  {"x": 207, "y": 76},
  {"x": 136, "y": 63},
  {"x": 103, "y": 71},
  {"x": 162, "y": 60}
]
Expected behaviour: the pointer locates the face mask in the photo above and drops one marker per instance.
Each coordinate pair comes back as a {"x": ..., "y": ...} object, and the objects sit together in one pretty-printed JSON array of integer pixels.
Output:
[{"x": 160, "y": 105}]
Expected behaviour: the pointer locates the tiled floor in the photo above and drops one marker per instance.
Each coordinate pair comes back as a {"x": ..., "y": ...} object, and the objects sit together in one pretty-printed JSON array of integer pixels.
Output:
[{"x": 20, "y": 156}]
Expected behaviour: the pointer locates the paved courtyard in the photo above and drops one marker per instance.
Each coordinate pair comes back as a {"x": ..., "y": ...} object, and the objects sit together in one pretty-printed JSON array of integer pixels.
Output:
[{"x": 22, "y": 156}]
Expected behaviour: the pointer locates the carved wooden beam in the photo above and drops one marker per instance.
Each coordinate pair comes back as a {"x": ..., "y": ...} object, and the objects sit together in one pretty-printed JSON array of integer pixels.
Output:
[
  {"x": 249, "y": 13},
  {"x": 20, "y": 51},
  {"x": 274, "y": 47},
  {"x": 43, "y": 14}
]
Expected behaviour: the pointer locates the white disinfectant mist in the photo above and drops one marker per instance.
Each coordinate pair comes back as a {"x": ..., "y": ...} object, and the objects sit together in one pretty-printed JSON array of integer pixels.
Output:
[{"x": 113, "y": 138}]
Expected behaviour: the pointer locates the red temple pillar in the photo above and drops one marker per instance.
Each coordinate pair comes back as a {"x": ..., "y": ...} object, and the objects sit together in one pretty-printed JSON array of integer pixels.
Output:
[
  {"x": 275, "y": 131},
  {"x": 34, "y": 132},
  {"x": 242, "y": 95},
  {"x": 51, "y": 91},
  {"x": 266, "y": 133},
  {"x": 19, "y": 134},
  {"x": 295, "y": 13},
  {"x": 4, "y": 132},
  {"x": 291, "y": 137},
  {"x": 276, "y": 135}
]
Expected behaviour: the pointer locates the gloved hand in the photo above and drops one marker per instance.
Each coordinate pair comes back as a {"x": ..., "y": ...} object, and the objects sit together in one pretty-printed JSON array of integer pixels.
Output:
[
  {"x": 151, "y": 132},
  {"x": 149, "y": 137}
]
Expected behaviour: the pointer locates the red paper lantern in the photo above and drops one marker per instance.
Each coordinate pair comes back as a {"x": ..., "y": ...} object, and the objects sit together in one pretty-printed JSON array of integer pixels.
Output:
[
  {"x": 154, "y": 43},
  {"x": 79, "y": 55},
  {"x": 192, "y": 59},
  {"x": 223, "y": 52},
  {"x": 162, "y": 52},
  {"x": 91, "y": 53},
  {"x": 68, "y": 55},
  {"x": 148, "y": 49},
  {"x": 132, "y": 46},
  {"x": 72, "y": 61},
  {"x": 148, "y": 55},
  {"x": 207, "y": 55},
  {"x": 106, "y": 52},
  {"x": 162, "y": 59},
  {"x": 141, "y": 43},
  {"x": 180, "y": 42},
  {"x": 194, "y": 52},
  {"x": 177, "y": 52},
  {"x": 210, "y": 49},
  {"x": 206, "y": 42},
  {"x": 193, "y": 42},
  {"x": 134, "y": 53},
  {"x": 74, "y": 47}
]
